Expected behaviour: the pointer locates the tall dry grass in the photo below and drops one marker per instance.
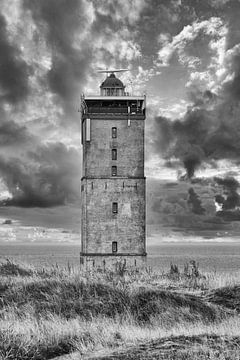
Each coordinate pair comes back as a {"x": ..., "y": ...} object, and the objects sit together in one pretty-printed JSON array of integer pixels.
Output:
[{"x": 45, "y": 313}]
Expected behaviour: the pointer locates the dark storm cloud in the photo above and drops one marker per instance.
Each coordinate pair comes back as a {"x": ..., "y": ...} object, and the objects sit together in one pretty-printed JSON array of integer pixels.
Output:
[
  {"x": 182, "y": 139},
  {"x": 232, "y": 199},
  {"x": 12, "y": 134},
  {"x": 163, "y": 16},
  {"x": 168, "y": 206},
  {"x": 35, "y": 173},
  {"x": 64, "y": 21},
  {"x": 202, "y": 99},
  {"x": 191, "y": 160},
  {"x": 195, "y": 203},
  {"x": 46, "y": 177},
  {"x": 204, "y": 133},
  {"x": 178, "y": 203},
  {"x": 13, "y": 70},
  {"x": 210, "y": 128},
  {"x": 232, "y": 87}
]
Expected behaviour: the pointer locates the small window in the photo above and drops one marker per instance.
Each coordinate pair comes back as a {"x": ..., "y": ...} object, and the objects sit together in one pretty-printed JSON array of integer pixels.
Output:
[
  {"x": 114, "y": 171},
  {"x": 115, "y": 207},
  {"x": 114, "y": 246},
  {"x": 114, "y": 132},
  {"x": 88, "y": 129},
  {"x": 114, "y": 154}
]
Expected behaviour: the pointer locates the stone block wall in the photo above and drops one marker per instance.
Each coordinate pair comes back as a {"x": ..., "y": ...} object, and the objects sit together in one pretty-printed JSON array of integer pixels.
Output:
[
  {"x": 100, "y": 226},
  {"x": 99, "y": 190},
  {"x": 88, "y": 262},
  {"x": 97, "y": 154}
]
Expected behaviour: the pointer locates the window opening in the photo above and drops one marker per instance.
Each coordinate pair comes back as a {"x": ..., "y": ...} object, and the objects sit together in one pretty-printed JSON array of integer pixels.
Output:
[
  {"x": 114, "y": 171},
  {"x": 114, "y": 154},
  {"x": 114, "y": 246},
  {"x": 114, "y": 132},
  {"x": 115, "y": 208}
]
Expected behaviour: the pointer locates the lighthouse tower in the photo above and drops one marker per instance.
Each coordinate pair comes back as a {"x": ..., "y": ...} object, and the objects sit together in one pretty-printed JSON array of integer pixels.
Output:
[{"x": 113, "y": 181}]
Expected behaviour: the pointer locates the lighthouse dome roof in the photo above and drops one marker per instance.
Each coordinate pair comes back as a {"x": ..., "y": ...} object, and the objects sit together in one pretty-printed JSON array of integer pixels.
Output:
[{"x": 111, "y": 82}]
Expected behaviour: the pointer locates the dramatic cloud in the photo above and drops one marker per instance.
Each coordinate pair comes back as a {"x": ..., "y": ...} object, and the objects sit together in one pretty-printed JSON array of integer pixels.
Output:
[
  {"x": 14, "y": 71},
  {"x": 12, "y": 135},
  {"x": 195, "y": 203},
  {"x": 202, "y": 135},
  {"x": 183, "y": 44},
  {"x": 231, "y": 200},
  {"x": 228, "y": 202},
  {"x": 185, "y": 55},
  {"x": 210, "y": 128},
  {"x": 50, "y": 51},
  {"x": 46, "y": 177},
  {"x": 183, "y": 140},
  {"x": 63, "y": 22}
]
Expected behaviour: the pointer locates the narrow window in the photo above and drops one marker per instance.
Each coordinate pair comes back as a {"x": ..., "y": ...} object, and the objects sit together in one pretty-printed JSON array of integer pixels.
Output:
[
  {"x": 114, "y": 171},
  {"x": 115, "y": 207},
  {"x": 114, "y": 132},
  {"x": 88, "y": 131},
  {"x": 82, "y": 132},
  {"x": 114, "y": 246},
  {"x": 114, "y": 154}
]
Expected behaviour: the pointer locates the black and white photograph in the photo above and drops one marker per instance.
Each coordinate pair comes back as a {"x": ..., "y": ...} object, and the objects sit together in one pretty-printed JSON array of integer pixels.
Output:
[{"x": 120, "y": 179}]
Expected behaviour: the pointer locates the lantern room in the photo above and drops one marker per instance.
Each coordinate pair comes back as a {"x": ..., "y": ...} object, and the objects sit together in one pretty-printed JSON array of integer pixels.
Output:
[{"x": 112, "y": 86}]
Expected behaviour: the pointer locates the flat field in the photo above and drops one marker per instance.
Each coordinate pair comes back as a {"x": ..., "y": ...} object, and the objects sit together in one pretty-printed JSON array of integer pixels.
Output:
[{"x": 211, "y": 256}]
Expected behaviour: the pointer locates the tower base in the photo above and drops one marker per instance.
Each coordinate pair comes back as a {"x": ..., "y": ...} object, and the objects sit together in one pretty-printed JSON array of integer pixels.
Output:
[{"x": 112, "y": 262}]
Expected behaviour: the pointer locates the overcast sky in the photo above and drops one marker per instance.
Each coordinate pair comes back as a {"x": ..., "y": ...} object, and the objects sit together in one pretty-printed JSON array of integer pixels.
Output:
[{"x": 185, "y": 55}]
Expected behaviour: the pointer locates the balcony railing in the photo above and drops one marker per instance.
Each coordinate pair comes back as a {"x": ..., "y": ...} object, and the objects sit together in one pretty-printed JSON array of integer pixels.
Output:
[{"x": 114, "y": 110}]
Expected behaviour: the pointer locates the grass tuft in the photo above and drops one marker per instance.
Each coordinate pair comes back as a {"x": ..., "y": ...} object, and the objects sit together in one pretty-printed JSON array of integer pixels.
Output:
[
  {"x": 229, "y": 297},
  {"x": 9, "y": 268}
]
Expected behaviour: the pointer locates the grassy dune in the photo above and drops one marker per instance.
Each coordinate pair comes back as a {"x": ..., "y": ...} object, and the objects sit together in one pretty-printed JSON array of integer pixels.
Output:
[{"x": 136, "y": 315}]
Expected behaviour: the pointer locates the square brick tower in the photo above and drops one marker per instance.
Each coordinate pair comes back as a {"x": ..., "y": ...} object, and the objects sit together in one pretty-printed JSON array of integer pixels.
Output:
[{"x": 113, "y": 181}]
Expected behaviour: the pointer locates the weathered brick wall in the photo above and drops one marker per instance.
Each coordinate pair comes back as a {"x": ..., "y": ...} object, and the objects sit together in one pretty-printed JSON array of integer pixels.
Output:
[
  {"x": 83, "y": 216},
  {"x": 97, "y": 155},
  {"x": 100, "y": 227}
]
